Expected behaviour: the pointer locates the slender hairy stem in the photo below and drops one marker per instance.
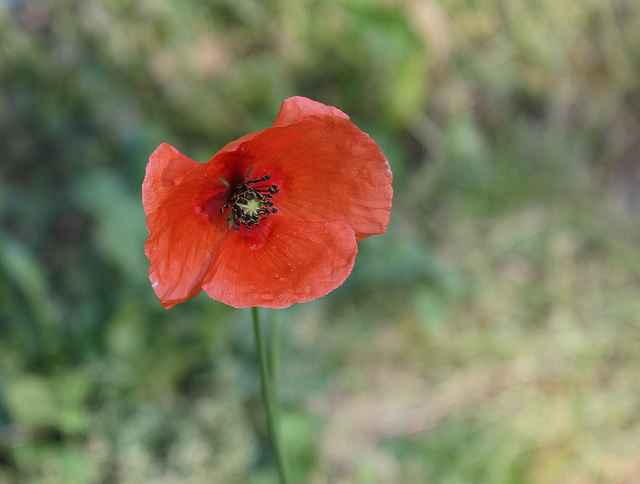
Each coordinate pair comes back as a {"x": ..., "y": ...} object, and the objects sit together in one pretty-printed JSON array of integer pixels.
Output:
[{"x": 270, "y": 404}]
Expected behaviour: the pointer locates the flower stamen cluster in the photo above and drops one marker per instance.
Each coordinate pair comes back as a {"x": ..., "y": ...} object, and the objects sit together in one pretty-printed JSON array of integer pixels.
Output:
[{"x": 250, "y": 203}]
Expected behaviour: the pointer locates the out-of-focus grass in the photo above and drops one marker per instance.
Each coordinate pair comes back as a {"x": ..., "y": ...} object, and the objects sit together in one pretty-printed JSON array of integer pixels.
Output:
[
  {"x": 526, "y": 372},
  {"x": 489, "y": 337}
]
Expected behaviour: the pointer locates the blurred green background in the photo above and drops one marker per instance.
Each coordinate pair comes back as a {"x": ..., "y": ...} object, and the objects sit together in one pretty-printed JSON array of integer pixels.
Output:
[{"x": 490, "y": 336}]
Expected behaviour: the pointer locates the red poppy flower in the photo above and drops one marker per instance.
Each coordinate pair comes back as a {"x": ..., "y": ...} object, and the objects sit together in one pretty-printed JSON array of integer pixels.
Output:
[{"x": 273, "y": 218}]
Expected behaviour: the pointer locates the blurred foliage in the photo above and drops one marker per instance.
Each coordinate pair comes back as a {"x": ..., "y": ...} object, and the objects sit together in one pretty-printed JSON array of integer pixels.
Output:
[{"x": 490, "y": 336}]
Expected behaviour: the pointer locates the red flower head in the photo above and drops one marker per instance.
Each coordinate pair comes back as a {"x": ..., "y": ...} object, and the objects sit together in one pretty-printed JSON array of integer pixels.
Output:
[{"x": 273, "y": 218}]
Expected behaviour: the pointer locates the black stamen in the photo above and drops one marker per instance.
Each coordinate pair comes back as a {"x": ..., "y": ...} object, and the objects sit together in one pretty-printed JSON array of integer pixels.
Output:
[{"x": 243, "y": 193}]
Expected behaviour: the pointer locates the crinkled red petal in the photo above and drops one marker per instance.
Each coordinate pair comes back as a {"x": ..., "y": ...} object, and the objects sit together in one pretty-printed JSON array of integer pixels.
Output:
[
  {"x": 297, "y": 108},
  {"x": 326, "y": 169},
  {"x": 281, "y": 262},
  {"x": 183, "y": 232}
]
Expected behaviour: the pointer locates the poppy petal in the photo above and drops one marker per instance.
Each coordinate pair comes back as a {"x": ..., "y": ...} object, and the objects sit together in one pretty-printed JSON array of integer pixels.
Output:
[
  {"x": 281, "y": 262},
  {"x": 234, "y": 145},
  {"x": 326, "y": 169},
  {"x": 181, "y": 244},
  {"x": 166, "y": 167},
  {"x": 296, "y": 108},
  {"x": 292, "y": 109}
]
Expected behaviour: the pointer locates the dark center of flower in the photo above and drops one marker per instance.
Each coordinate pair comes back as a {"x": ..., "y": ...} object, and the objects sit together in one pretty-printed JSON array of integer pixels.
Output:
[{"x": 250, "y": 202}]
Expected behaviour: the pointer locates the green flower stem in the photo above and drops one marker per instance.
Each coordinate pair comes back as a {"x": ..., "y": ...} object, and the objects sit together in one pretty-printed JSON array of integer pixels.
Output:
[{"x": 270, "y": 404}]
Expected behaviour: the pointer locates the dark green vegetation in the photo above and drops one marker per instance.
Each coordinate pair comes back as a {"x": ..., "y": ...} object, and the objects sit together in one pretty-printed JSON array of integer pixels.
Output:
[{"x": 491, "y": 336}]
